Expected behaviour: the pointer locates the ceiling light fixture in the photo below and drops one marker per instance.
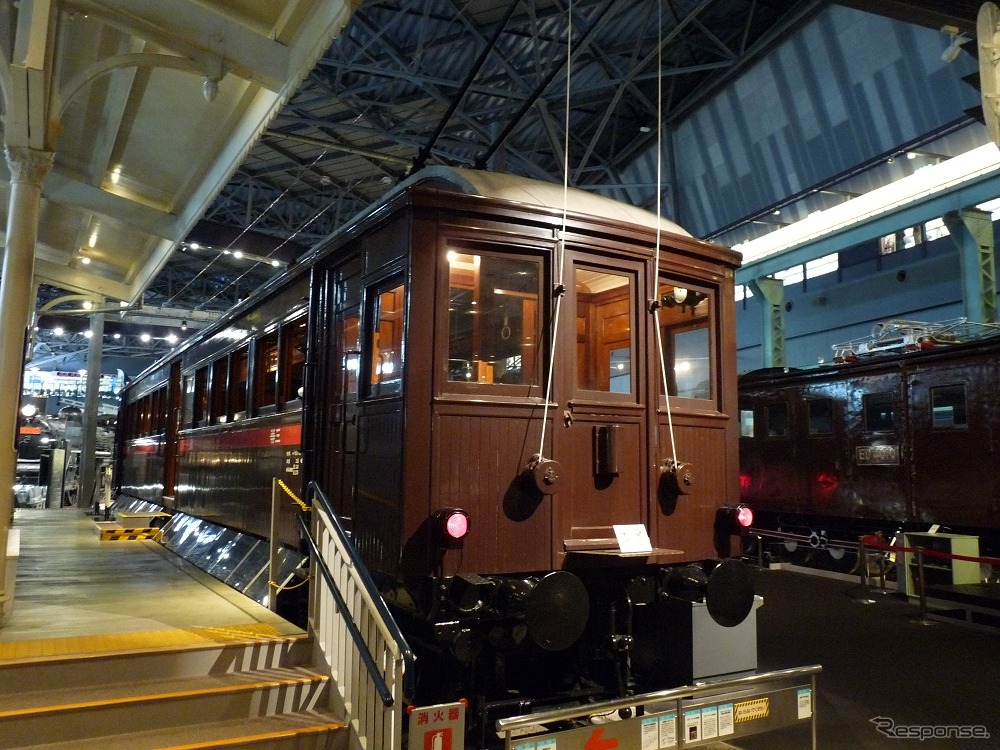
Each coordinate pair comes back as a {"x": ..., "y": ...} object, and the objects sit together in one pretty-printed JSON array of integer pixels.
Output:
[
  {"x": 210, "y": 88},
  {"x": 955, "y": 48}
]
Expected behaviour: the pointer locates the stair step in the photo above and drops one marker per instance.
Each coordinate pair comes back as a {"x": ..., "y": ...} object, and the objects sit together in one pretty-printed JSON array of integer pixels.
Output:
[
  {"x": 304, "y": 730},
  {"x": 113, "y": 667},
  {"x": 46, "y": 717}
]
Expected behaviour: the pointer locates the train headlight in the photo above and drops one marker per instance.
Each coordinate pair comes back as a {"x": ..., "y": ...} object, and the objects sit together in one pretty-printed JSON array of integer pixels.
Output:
[
  {"x": 731, "y": 521},
  {"x": 453, "y": 524}
]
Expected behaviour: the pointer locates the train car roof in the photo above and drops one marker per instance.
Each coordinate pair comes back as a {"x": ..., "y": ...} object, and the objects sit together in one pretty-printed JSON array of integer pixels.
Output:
[
  {"x": 532, "y": 192},
  {"x": 474, "y": 182}
]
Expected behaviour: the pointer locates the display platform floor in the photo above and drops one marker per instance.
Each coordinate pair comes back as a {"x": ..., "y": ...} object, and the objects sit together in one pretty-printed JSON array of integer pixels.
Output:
[{"x": 76, "y": 594}]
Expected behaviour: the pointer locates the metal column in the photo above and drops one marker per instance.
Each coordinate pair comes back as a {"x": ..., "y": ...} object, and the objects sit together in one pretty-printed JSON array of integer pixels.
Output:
[
  {"x": 772, "y": 295},
  {"x": 972, "y": 231}
]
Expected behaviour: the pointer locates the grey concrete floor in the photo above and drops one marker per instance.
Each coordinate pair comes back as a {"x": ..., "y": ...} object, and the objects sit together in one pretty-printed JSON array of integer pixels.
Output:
[{"x": 878, "y": 661}]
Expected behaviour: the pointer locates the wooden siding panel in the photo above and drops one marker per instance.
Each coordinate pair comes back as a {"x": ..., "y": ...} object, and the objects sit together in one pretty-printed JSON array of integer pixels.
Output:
[{"x": 509, "y": 531}]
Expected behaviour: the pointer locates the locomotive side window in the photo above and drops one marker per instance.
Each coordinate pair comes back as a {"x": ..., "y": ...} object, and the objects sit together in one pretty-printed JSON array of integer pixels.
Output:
[
  {"x": 820, "y": 416},
  {"x": 684, "y": 318},
  {"x": 746, "y": 423},
  {"x": 492, "y": 319},
  {"x": 386, "y": 339},
  {"x": 948, "y": 406},
  {"x": 777, "y": 420},
  {"x": 880, "y": 413},
  {"x": 604, "y": 331}
]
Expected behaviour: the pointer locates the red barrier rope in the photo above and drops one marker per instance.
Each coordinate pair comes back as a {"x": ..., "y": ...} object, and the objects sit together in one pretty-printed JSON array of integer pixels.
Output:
[
  {"x": 871, "y": 543},
  {"x": 931, "y": 553}
]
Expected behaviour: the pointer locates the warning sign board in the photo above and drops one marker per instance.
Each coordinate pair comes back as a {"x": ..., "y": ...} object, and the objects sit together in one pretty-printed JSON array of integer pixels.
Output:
[
  {"x": 437, "y": 727},
  {"x": 619, "y": 735}
]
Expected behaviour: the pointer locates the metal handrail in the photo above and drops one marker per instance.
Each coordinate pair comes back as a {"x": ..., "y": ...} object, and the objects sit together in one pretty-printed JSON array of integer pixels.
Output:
[
  {"x": 566, "y": 713},
  {"x": 314, "y": 491}
]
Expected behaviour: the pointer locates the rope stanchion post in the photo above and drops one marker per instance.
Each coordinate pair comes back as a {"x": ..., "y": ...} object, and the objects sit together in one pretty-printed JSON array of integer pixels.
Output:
[
  {"x": 922, "y": 588},
  {"x": 881, "y": 575},
  {"x": 760, "y": 551},
  {"x": 272, "y": 568},
  {"x": 863, "y": 568}
]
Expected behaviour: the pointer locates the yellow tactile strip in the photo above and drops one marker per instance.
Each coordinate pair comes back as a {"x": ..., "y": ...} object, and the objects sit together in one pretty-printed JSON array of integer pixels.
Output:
[
  {"x": 261, "y": 738},
  {"x": 141, "y": 640},
  {"x": 247, "y": 687}
]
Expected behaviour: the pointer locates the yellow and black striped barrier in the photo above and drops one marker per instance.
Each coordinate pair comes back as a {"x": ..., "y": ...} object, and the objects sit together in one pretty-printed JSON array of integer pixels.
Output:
[{"x": 115, "y": 535}]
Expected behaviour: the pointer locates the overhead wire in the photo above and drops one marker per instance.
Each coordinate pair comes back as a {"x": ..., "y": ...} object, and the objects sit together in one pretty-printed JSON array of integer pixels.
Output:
[
  {"x": 247, "y": 228},
  {"x": 559, "y": 288},
  {"x": 654, "y": 305}
]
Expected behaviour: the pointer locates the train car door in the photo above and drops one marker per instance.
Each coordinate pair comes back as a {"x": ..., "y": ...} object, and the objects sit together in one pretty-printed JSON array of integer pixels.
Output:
[
  {"x": 174, "y": 415},
  {"x": 603, "y": 439},
  {"x": 876, "y": 482},
  {"x": 337, "y": 387},
  {"x": 952, "y": 459}
]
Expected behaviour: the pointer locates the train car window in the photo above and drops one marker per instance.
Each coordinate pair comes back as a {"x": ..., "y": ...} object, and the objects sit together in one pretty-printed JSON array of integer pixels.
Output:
[
  {"x": 188, "y": 418},
  {"x": 293, "y": 359},
  {"x": 265, "y": 375},
  {"x": 880, "y": 412},
  {"x": 386, "y": 339},
  {"x": 154, "y": 413},
  {"x": 777, "y": 420},
  {"x": 820, "y": 416},
  {"x": 220, "y": 390},
  {"x": 685, "y": 322},
  {"x": 604, "y": 331},
  {"x": 746, "y": 423},
  {"x": 143, "y": 416},
  {"x": 350, "y": 346},
  {"x": 162, "y": 417},
  {"x": 948, "y": 406},
  {"x": 493, "y": 319},
  {"x": 201, "y": 411},
  {"x": 239, "y": 371},
  {"x": 131, "y": 420}
]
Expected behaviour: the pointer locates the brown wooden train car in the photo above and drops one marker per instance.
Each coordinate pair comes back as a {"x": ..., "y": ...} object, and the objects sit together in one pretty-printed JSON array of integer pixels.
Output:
[{"x": 481, "y": 349}]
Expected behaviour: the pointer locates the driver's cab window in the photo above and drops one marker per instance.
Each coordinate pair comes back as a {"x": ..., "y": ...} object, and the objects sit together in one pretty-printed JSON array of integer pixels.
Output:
[
  {"x": 685, "y": 320},
  {"x": 605, "y": 331},
  {"x": 494, "y": 321}
]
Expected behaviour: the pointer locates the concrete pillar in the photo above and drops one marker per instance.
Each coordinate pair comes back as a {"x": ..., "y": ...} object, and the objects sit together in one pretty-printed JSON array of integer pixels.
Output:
[
  {"x": 28, "y": 168},
  {"x": 771, "y": 293}
]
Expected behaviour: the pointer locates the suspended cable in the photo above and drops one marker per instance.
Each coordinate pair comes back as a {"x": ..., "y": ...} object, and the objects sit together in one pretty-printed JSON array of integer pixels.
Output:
[
  {"x": 288, "y": 239},
  {"x": 654, "y": 305},
  {"x": 246, "y": 229},
  {"x": 559, "y": 289}
]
